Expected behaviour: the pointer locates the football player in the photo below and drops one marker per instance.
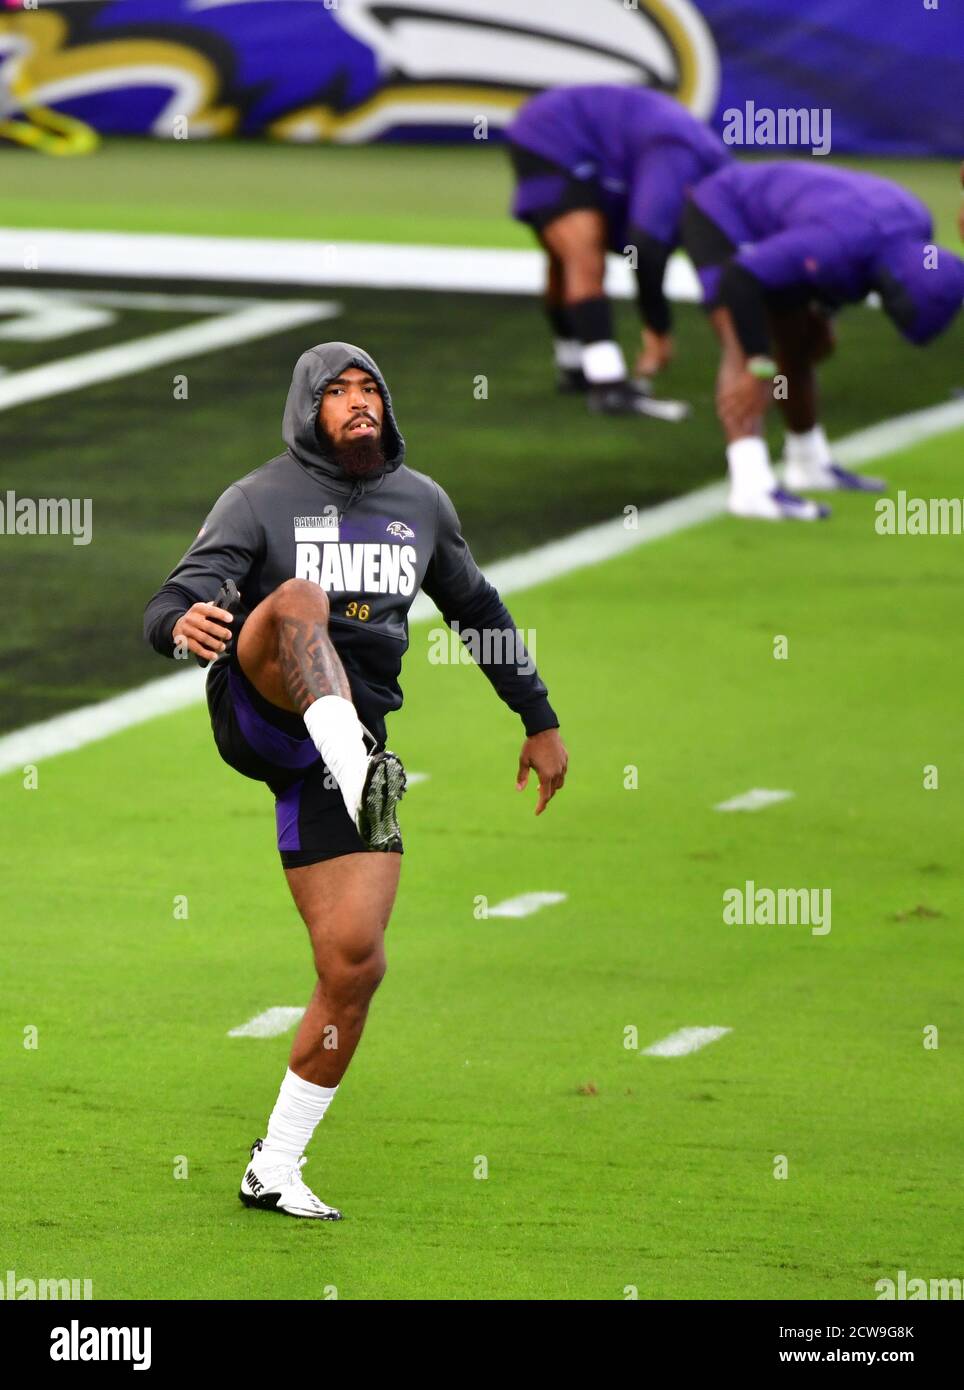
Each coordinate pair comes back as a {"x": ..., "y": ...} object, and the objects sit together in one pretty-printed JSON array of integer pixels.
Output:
[
  {"x": 778, "y": 248},
  {"x": 607, "y": 169},
  {"x": 319, "y": 555}
]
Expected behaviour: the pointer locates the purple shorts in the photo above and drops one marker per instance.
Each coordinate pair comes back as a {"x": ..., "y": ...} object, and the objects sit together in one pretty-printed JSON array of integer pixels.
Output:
[
  {"x": 271, "y": 745},
  {"x": 708, "y": 247}
]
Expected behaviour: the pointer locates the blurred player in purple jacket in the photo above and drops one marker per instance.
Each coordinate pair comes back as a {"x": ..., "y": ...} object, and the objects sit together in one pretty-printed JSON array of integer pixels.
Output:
[
  {"x": 602, "y": 169},
  {"x": 778, "y": 247}
]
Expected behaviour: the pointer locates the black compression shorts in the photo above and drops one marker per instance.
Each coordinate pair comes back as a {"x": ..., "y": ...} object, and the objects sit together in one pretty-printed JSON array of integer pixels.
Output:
[
  {"x": 271, "y": 745},
  {"x": 544, "y": 190}
]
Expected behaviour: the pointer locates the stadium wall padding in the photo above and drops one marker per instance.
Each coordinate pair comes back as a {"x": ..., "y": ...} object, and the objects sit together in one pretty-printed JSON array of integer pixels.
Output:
[{"x": 890, "y": 72}]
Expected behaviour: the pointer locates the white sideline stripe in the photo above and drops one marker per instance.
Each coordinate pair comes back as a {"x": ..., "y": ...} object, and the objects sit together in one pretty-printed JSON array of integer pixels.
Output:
[
  {"x": 684, "y": 1041},
  {"x": 270, "y": 1024},
  {"x": 753, "y": 800},
  {"x": 106, "y": 364},
  {"x": 610, "y": 538},
  {"x": 65, "y": 732},
  {"x": 525, "y": 904},
  {"x": 890, "y": 436},
  {"x": 593, "y": 545},
  {"x": 374, "y": 264}
]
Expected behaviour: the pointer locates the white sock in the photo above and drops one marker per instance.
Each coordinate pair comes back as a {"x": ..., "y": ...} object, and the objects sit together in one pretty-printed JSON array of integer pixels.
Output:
[
  {"x": 336, "y": 732},
  {"x": 568, "y": 353},
  {"x": 296, "y": 1115},
  {"x": 603, "y": 362},
  {"x": 809, "y": 449},
  {"x": 748, "y": 460}
]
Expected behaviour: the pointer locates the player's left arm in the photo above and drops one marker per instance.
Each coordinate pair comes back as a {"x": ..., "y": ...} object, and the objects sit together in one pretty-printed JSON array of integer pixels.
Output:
[
  {"x": 464, "y": 597},
  {"x": 657, "y": 194}
]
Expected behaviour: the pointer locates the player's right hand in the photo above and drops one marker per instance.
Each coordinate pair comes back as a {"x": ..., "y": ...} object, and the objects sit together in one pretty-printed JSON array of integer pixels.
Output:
[
  {"x": 202, "y": 631},
  {"x": 655, "y": 354}
]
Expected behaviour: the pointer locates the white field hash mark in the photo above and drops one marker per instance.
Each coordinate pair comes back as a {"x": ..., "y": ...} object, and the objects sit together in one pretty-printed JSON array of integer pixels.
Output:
[
  {"x": 753, "y": 800},
  {"x": 270, "y": 1024},
  {"x": 683, "y": 1041},
  {"x": 526, "y": 904}
]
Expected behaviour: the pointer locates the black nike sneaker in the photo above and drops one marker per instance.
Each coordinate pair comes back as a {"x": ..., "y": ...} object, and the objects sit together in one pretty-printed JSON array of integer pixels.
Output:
[
  {"x": 384, "y": 788},
  {"x": 616, "y": 398},
  {"x": 628, "y": 398}
]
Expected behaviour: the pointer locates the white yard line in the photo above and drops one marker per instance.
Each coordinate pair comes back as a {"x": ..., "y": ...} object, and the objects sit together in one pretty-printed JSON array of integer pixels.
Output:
[
  {"x": 174, "y": 345},
  {"x": 482, "y": 270},
  {"x": 753, "y": 800},
  {"x": 66, "y": 732},
  {"x": 684, "y": 1041},
  {"x": 525, "y": 904},
  {"x": 281, "y": 1018}
]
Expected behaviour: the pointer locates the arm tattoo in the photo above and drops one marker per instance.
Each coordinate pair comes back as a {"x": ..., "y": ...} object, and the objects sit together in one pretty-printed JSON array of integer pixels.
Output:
[{"x": 310, "y": 666}]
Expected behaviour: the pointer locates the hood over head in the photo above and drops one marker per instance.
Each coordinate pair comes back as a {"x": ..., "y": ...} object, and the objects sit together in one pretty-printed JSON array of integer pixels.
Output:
[
  {"x": 313, "y": 371},
  {"x": 921, "y": 287}
]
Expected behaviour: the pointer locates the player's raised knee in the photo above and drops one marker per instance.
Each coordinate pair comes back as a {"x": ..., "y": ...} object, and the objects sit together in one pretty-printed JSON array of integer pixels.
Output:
[{"x": 301, "y": 596}]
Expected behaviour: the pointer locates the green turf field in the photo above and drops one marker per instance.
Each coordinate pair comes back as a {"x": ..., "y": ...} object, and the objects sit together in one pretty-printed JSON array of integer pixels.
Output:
[
  {"x": 444, "y": 194},
  {"x": 504, "y": 1039}
]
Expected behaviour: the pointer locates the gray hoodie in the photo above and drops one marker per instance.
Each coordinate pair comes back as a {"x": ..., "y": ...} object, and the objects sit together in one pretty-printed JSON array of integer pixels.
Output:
[{"x": 371, "y": 544}]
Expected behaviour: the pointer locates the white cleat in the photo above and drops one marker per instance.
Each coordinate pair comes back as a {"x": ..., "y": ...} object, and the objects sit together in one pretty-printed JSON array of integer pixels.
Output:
[
  {"x": 280, "y": 1187},
  {"x": 776, "y": 505},
  {"x": 829, "y": 477}
]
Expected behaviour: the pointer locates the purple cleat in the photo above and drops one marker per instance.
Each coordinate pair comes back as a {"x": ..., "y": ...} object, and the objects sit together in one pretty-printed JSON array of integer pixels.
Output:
[{"x": 830, "y": 477}]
